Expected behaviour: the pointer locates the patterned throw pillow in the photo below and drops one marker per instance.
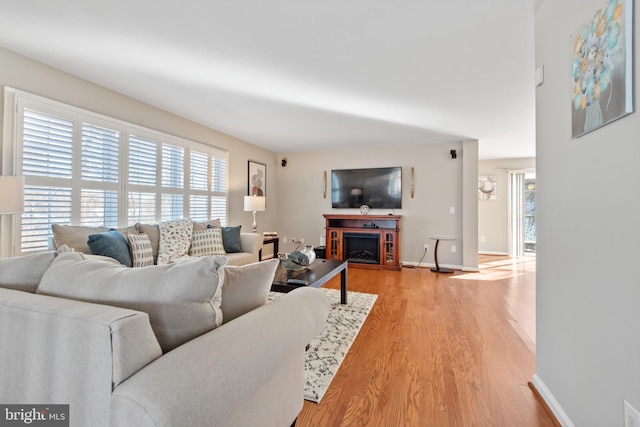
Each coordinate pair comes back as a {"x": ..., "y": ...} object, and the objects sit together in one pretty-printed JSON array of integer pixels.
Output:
[
  {"x": 207, "y": 242},
  {"x": 175, "y": 240},
  {"x": 141, "y": 251}
]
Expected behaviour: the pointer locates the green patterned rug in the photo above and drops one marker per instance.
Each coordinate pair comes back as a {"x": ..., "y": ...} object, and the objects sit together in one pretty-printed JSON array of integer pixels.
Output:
[{"x": 327, "y": 351}]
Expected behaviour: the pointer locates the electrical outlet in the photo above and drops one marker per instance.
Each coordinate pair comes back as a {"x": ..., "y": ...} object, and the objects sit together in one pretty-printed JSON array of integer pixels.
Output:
[
  {"x": 426, "y": 247},
  {"x": 452, "y": 210},
  {"x": 482, "y": 238},
  {"x": 453, "y": 249},
  {"x": 631, "y": 416},
  {"x": 302, "y": 241},
  {"x": 293, "y": 240},
  {"x": 284, "y": 240}
]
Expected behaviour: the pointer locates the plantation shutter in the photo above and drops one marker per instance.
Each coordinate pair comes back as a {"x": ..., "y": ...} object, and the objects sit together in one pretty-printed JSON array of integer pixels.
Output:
[
  {"x": 172, "y": 200},
  {"x": 219, "y": 188},
  {"x": 99, "y": 172},
  {"x": 142, "y": 200},
  {"x": 84, "y": 168},
  {"x": 47, "y": 165}
]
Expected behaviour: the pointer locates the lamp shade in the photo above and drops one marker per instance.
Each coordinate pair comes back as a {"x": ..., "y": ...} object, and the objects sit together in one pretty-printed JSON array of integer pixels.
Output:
[
  {"x": 254, "y": 203},
  {"x": 11, "y": 194}
]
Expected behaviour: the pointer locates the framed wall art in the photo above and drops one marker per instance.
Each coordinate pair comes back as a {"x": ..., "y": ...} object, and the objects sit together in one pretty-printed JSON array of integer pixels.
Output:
[
  {"x": 257, "y": 179},
  {"x": 602, "y": 68},
  {"x": 487, "y": 187}
]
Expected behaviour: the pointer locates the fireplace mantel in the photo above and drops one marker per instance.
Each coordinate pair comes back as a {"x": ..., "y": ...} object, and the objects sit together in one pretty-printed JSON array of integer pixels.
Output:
[{"x": 386, "y": 227}]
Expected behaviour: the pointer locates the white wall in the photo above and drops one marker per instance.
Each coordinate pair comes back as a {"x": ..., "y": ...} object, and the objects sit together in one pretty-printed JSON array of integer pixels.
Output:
[
  {"x": 588, "y": 200},
  {"x": 438, "y": 186},
  {"x": 22, "y": 73},
  {"x": 493, "y": 215}
]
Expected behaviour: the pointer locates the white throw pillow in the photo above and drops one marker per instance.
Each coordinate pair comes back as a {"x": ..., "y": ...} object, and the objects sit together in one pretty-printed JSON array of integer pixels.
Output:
[
  {"x": 182, "y": 299},
  {"x": 207, "y": 242},
  {"x": 175, "y": 239},
  {"x": 246, "y": 287},
  {"x": 141, "y": 250}
]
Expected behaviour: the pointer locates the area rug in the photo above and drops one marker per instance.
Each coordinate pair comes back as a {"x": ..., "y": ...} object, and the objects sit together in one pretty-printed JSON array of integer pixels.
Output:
[{"x": 327, "y": 351}]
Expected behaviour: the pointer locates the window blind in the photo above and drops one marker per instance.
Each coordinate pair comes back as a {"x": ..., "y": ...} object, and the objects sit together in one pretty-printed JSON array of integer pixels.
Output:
[{"x": 88, "y": 169}]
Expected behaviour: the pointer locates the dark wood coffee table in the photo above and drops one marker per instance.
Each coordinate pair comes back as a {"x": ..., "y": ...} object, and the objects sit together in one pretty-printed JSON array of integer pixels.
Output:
[{"x": 317, "y": 274}]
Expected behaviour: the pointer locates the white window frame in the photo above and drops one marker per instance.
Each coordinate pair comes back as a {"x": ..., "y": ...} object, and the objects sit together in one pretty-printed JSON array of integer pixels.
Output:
[{"x": 15, "y": 101}]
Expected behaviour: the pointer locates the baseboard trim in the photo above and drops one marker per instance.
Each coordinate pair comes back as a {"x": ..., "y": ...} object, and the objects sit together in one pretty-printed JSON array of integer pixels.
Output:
[
  {"x": 492, "y": 253},
  {"x": 549, "y": 402},
  {"x": 412, "y": 264}
]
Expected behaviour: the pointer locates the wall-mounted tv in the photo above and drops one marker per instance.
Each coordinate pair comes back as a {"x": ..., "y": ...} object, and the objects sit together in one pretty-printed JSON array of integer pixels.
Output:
[{"x": 378, "y": 188}]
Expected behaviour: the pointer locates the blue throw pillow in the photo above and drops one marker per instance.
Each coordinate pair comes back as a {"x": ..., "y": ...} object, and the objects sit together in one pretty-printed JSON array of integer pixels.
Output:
[
  {"x": 112, "y": 244},
  {"x": 231, "y": 239}
]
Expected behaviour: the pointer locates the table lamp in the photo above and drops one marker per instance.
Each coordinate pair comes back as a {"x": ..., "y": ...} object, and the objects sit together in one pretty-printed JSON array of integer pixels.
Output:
[{"x": 254, "y": 204}]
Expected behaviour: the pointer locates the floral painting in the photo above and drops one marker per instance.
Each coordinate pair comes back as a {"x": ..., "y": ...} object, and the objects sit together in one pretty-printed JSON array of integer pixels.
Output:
[{"x": 601, "y": 70}]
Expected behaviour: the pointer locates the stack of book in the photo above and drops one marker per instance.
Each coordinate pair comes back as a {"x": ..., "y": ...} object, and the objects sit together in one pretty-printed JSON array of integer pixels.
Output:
[{"x": 269, "y": 234}]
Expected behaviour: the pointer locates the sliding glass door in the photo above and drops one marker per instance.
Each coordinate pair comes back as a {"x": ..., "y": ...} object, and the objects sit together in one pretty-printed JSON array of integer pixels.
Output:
[{"x": 522, "y": 213}]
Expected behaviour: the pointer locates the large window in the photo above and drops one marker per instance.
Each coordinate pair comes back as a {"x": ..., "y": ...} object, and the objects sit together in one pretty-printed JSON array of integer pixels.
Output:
[{"x": 81, "y": 168}]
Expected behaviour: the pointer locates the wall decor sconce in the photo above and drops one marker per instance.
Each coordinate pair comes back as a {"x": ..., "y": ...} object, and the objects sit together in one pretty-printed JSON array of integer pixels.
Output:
[
  {"x": 412, "y": 182},
  {"x": 324, "y": 185},
  {"x": 453, "y": 154}
]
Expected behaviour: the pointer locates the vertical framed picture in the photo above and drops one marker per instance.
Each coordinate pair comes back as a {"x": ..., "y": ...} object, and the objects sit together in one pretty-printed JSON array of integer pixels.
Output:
[
  {"x": 487, "y": 187},
  {"x": 602, "y": 68},
  {"x": 257, "y": 179}
]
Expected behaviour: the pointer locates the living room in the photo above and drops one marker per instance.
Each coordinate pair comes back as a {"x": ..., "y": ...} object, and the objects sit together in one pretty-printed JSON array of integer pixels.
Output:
[
  {"x": 295, "y": 191},
  {"x": 587, "y": 199}
]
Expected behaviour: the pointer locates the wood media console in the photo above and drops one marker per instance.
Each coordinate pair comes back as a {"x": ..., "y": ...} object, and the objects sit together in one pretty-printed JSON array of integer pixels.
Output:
[{"x": 366, "y": 241}]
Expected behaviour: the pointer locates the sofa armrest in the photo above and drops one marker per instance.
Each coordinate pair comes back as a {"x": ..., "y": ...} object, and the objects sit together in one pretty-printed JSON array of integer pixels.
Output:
[
  {"x": 249, "y": 371},
  {"x": 72, "y": 352},
  {"x": 252, "y": 243}
]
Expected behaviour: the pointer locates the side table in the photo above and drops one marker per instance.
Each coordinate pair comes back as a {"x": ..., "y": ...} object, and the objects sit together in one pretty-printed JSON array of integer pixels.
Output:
[
  {"x": 276, "y": 246},
  {"x": 437, "y": 268}
]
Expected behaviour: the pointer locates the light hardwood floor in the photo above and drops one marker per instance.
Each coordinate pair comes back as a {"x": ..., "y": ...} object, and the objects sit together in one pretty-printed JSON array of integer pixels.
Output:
[{"x": 439, "y": 350}]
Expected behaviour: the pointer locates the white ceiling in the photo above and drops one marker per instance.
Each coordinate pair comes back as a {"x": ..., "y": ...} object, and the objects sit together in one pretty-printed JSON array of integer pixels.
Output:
[{"x": 304, "y": 75}]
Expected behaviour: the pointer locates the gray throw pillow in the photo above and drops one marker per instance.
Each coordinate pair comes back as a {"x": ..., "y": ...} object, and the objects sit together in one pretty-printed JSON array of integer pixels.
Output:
[
  {"x": 182, "y": 299},
  {"x": 231, "y": 239},
  {"x": 246, "y": 287},
  {"x": 111, "y": 244}
]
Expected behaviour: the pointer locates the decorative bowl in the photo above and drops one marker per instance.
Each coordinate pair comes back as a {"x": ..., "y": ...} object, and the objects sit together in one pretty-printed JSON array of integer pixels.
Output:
[{"x": 290, "y": 264}]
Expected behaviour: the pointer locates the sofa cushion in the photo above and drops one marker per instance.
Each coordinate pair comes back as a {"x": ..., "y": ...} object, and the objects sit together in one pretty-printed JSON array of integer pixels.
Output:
[
  {"x": 24, "y": 273},
  {"x": 246, "y": 287},
  {"x": 206, "y": 242},
  {"x": 182, "y": 299},
  {"x": 141, "y": 251},
  {"x": 112, "y": 244},
  {"x": 175, "y": 240},
  {"x": 203, "y": 225},
  {"x": 231, "y": 239},
  {"x": 74, "y": 236}
]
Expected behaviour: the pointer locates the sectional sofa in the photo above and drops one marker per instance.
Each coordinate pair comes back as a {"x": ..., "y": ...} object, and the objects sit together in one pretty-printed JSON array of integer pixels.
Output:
[{"x": 190, "y": 343}]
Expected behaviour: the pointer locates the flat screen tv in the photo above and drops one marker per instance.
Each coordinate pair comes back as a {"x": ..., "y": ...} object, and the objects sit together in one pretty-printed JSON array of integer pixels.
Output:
[{"x": 378, "y": 188}]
